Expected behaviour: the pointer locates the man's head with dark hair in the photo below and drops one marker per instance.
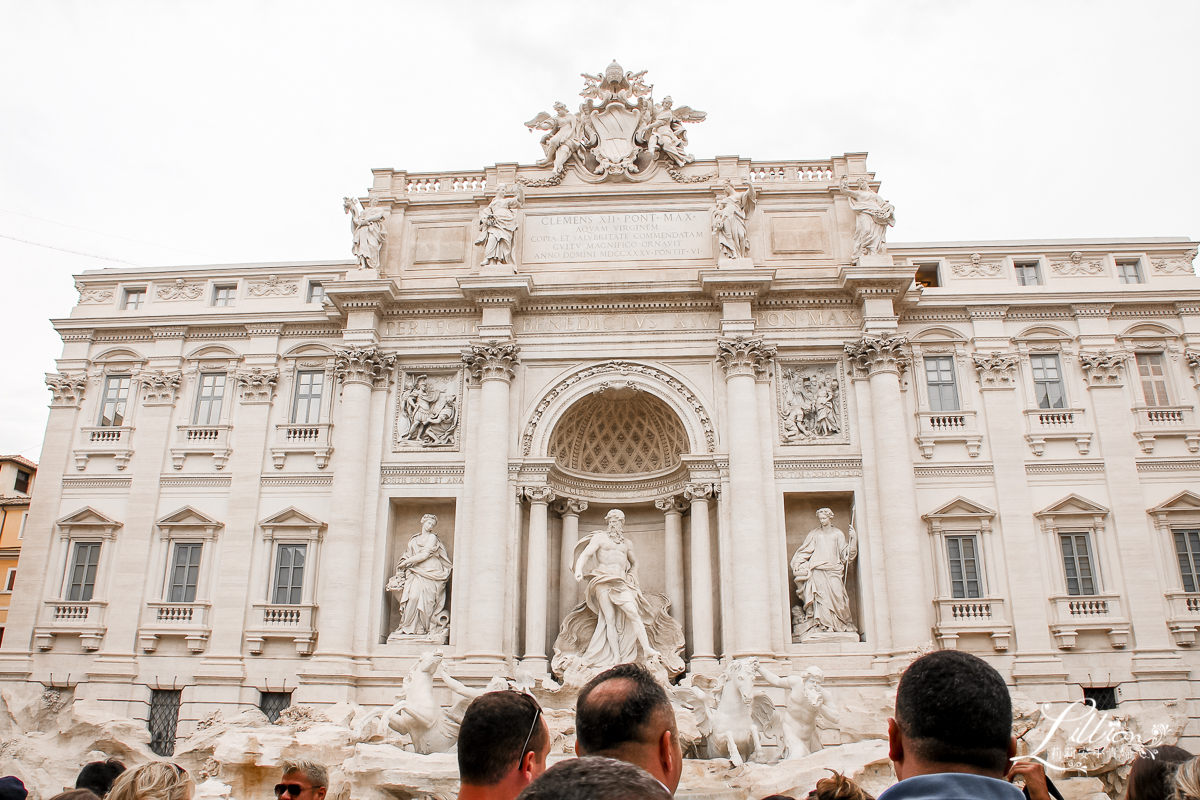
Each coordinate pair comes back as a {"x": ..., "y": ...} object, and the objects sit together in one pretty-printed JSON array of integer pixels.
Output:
[
  {"x": 502, "y": 744},
  {"x": 953, "y": 714},
  {"x": 1151, "y": 776},
  {"x": 595, "y": 778},
  {"x": 99, "y": 776},
  {"x": 624, "y": 713}
]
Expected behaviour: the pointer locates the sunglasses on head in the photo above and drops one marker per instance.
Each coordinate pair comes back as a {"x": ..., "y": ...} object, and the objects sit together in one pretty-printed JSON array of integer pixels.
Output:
[
  {"x": 532, "y": 727},
  {"x": 292, "y": 789}
]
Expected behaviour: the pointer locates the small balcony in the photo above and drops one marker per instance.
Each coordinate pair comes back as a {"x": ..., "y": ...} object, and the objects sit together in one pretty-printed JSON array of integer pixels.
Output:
[
  {"x": 202, "y": 440},
  {"x": 1158, "y": 421},
  {"x": 296, "y": 438},
  {"x": 986, "y": 615},
  {"x": 71, "y": 618},
  {"x": 115, "y": 441},
  {"x": 1044, "y": 424},
  {"x": 1183, "y": 619},
  {"x": 188, "y": 620},
  {"x": 1094, "y": 612},
  {"x": 283, "y": 621},
  {"x": 947, "y": 426}
]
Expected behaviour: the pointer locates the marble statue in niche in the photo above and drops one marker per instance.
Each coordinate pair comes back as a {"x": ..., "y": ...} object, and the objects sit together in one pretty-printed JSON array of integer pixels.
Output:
[
  {"x": 428, "y": 411},
  {"x": 807, "y": 699},
  {"x": 872, "y": 217},
  {"x": 819, "y": 570},
  {"x": 729, "y": 221},
  {"x": 368, "y": 230},
  {"x": 419, "y": 587},
  {"x": 617, "y": 622},
  {"x": 809, "y": 407},
  {"x": 498, "y": 223}
]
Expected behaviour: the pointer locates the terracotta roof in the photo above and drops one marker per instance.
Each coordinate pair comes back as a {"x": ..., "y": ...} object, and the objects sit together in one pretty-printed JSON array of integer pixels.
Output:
[{"x": 20, "y": 460}]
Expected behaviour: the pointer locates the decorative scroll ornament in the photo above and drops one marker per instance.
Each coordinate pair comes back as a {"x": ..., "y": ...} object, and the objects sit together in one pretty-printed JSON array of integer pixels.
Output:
[
  {"x": 87, "y": 295},
  {"x": 68, "y": 389},
  {"x": 180, "y": 290},
  {"x": 492, "y": 360},
  {"x": 698, "y": 491},
  {"x": 1168, "y": 266},
  {"x": 880, "y": 354},
  {"x": 273, "y": 286},
  {"x": 1101, "y": 368},
  {"x": 618, "y": 131},
  {"x": 977, "y": 268},
  {"x": 668, "y": 505},
  {"x": 160, "y": 386},
  {"x": 744, "y": 355},
  {"x": 258, "y": 385},
  {"x": 1077, "y": 266},
  {"x": 539, "y": 494},
  {"x": 570, "y": 506},
  {"x": 363, "y": 365},
  {"x": 996, "y": 370}
]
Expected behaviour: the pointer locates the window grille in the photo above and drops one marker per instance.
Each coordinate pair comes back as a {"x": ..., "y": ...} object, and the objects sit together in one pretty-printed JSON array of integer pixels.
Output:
[
  {"x": 939, "y": 377},
  {"x": 83, "y": 571},
  {"x": 272, "y": 703},
  {"x": 963, "y": 557},
  {"x": 1105, "y": 697},
  {"x": 1077, "y": 563},
  {"x": 289, "y": 574},
  {"x": 1187, "y": 550},
  {"x": 1154, "y": 380},
  {"x": 164, "y": 720},
  {"x": 112, "y": 402},
  {"x": 1047, "y": 382},
  {"x": 1027, "y": 274},
  {"x": 210, "y": 398},
  {"x": 185, "y": 572},
  {"x": 307, "y": 408}
]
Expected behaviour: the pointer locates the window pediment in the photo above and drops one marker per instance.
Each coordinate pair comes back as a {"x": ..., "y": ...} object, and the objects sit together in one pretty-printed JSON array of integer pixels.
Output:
[
  {"x": 1073, "y": 505},
  {"x": 960, "y": 507}
]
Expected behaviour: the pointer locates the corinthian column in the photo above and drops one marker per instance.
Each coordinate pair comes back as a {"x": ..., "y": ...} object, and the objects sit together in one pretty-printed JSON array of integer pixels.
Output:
[
  {"x": 360, "y": 370},
  {"x": 701, "y": 570},
  {"x": 741, "y": 358},
  {"x": 537, "y": 574},
  {"x": 883, "y": 358},
  {"x": 568, "y": 590},
  {"x": 672, "y": 510},
  {"x": 493, "y": 364}
]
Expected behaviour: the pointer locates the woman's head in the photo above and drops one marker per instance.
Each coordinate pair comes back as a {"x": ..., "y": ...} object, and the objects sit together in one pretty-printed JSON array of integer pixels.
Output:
[
  {"x": 1151, "y": 777},
  {"x": 158, "y": 780}
]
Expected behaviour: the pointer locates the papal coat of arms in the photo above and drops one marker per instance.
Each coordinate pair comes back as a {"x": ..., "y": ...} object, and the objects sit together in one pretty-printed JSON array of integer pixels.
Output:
[{"x": 618, "y": 131}]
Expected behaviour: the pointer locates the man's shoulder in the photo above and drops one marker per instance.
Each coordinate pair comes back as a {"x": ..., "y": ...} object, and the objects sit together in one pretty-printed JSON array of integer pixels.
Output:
[{"x": 952, "y": 786}]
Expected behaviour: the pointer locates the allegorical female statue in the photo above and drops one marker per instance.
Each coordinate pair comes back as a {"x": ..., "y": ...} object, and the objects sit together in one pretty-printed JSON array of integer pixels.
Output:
[
  {"x": 497, "y": 224},
  {"x": 819, "y": 569},
  {"x": 729, "y": 221},
  {"x": 369, "y": 233},
  {"x": 419, "y": 584},
  {"x": 872, "y": 217}
]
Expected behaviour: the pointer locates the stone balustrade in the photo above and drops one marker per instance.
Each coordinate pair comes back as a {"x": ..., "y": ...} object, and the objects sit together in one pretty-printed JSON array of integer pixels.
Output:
[
  {"x": 807, "y": 171},
  {"x": 283, "y": 621},
  {"x": 1154, "y": 422},
  {"x": 957, "y": 616},
  {"x": 947, "y": 426},
  {"x": 1098, "y": 612},
  {"x": 202, "y": 440},
  {"x": 1044, "y": 424},
  {"x": 292, "y": 439}
]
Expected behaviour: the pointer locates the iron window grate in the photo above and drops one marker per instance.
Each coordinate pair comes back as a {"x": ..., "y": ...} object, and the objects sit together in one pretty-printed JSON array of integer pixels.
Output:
[
  {"x": 272, "y": 703},
  {"x": 1105, "y": 697},
  {"x": 164, "y": 720}
]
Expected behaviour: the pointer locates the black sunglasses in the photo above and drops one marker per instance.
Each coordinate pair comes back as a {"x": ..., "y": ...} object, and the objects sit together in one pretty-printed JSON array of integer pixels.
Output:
[
  {"x": 537, "y": 716},
  {"x": 292, "y": 789}
]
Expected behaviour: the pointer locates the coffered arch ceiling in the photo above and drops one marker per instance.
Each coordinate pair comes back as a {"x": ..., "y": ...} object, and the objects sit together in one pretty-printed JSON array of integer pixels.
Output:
[{"x": 628, "y": 432}]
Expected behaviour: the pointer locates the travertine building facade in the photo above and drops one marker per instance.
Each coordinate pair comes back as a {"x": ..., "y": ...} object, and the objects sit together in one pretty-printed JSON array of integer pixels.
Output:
[{"x": 237, "y": 455}]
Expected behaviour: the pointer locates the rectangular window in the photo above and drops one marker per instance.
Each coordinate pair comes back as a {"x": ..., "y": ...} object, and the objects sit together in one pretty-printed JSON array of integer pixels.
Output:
[
  {"x": 1154, "y": 380},
  {"x": 316, "y": 292},
  {"x": 939, "y": 377},
  {"x": 307, "y": 408},
  {"x": 134, "y": 299},
  {"x": 1187, "y": 550},
  {"x": 271, "y": 703},
  {"x": 927, "y": 276},
  {"x": 113, "y": 400},
  {"x": 82, "y": 580},
  {"x": 1047, "y": 382},
  {"x": 24, "y": 519},
  {"x": 224, "y": 295},
  {"x": 1103, "y": 698},
  {"x": 10, "y": 580},
  {"x": 289, "y": 574},
  {"x": 1130, "y": 271},
  {"x": 21, "y": 484},
  {"x": 164, "y": 720},
  {"x": 1077, "y": 563},
  {"x": 1027, "y": 273},
  {"x": 209, "y": 398},
  {"x": 185, "y": 572},
  {"x": 963, "y": 555}
]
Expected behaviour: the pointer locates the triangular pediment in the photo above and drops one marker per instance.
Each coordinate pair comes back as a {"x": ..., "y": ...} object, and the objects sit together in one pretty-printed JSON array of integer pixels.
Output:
[
  {"x": 961, "y": 507},
  {"x": 88, "y": 516},
  {"x": 187, "y": 516},
  {"x": 1072, "y": 504},
  {"x": 291, "y": 516},
  {"x": 1182, "y": 502}
]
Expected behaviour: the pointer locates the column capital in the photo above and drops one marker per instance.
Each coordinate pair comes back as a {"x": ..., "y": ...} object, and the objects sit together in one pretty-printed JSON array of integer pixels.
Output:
[
  {"x": 160, "y": 386},
  {"x": 1101, "y": 368},
  {"x": 1192, "y": 357},
  {"x": 258, "y": 384},
  {"x": 365, "y": 365},
  {"x": 698, "y": 491},
  {"x": 670, "y": 505},
  {"x": 877, "y": 354},
  {"x": 996, "y": 370},
  {"x": 539, "y": 494},
  {"x": 492, "y": 360},
  {"x": 67, "y": 389},
  {"x": 744, "y": 356},
  {"x": 570, "y": 506}
]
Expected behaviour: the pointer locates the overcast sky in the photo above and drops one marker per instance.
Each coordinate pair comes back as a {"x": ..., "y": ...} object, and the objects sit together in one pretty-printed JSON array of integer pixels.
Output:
[{"x": 164, "y": 133}]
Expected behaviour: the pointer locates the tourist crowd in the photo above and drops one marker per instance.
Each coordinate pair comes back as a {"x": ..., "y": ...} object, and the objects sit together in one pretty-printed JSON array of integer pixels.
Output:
[{"x": 950, "y": 739}]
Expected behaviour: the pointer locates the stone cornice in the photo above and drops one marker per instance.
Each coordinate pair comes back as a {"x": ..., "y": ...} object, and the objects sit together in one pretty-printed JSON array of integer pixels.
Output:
[
  {"x": 1091, "y": 309},
  {"x": 732, "y": 285},
  {"x": 505, "y": 291},
  {"x": 987, "y": 312}
]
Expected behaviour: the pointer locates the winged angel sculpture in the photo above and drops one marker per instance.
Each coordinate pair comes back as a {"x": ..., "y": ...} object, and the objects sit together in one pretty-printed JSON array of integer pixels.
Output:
[{"x": 618, "y": 131}]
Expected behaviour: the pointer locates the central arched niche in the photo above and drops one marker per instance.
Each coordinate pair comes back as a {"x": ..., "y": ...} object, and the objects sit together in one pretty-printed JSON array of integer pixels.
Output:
[{"x": 617, "y": 432}]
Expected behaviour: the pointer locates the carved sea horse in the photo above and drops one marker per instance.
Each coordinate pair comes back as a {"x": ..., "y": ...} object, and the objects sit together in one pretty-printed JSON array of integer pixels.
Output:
[
  {"x": 731, "y": 715},
  {"x": 430, "y": 727}
]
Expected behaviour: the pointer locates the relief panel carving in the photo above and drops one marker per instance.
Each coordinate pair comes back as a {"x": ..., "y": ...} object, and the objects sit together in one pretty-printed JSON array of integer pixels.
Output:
[
  {"x": 428, "y": 409},
  {"x": 811, "y": 402}
]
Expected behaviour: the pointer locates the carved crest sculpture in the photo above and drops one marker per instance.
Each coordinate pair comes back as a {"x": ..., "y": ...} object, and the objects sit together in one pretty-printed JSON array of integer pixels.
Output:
[{"x": 618, "y": 131}]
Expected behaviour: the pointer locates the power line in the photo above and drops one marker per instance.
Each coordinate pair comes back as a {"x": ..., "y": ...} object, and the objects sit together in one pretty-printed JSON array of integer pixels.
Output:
[
  {"x": 65, "y": 250},
  {"x": 113, "y": 235}
]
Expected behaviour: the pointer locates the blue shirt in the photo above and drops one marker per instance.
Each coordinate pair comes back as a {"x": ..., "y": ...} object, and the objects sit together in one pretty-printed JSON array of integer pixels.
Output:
[{"x": 952, "y": 786}]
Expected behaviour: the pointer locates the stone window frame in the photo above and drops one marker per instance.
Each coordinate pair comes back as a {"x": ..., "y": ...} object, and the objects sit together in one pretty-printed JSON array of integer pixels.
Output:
[
  {"x": 941, "y": 341},
  {"x": 1140, "y": 259},
  {"x": 210, "y": 291},
  {"x": 1045, "y": 340},
  {"x": 207, "y": 359},
  {"x": 310, "y": 356},
  {"x": 1182, "y": 511},
  {"x": 87, "y": 617},
  {"x": 288, "y": 526},
  {"x": 1145, "y": 338},
  {"x": 204, "y": 530},
  {"x": 1041, "y": 262},
  {"x": 277, "y": 533},
  {"x": 117, "y": 361},
  {"x": 125, "y": 289}
]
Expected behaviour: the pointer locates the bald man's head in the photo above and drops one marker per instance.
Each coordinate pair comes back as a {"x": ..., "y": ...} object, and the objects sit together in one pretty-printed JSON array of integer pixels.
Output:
[{"x": 620, "y": 706}]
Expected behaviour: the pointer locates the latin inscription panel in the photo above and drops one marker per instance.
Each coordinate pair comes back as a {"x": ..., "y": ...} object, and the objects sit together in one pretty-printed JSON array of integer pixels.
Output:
[{"x": 616, "y": 236}]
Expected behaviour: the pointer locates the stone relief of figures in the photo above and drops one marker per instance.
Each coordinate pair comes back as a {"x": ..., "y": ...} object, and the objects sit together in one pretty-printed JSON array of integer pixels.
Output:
[
  {"x": 819, "y": 569},
  {"x": 427, "y": 412},
  {"x": 497, "y": 224},
  {"x": 810, "y": 404},
  {"x": 617, "y": 622},
  {"x": 419, "y": 587},
  {"x": 806, "y": 700},
  {"x": 367, "y": 227},
  {"x": 731, "y": 715},
  {"x": 729, "y": 214},
  {"x": 872, "y": 217}
]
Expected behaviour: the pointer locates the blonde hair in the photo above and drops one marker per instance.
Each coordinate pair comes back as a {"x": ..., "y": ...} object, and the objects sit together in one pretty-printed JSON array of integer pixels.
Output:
[
  {"x": 158, "y": 780},
  {"x": 839, "y": 787},
  {"x": 316, "y": 773},
  {"x": 1187, "y": 780}
]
